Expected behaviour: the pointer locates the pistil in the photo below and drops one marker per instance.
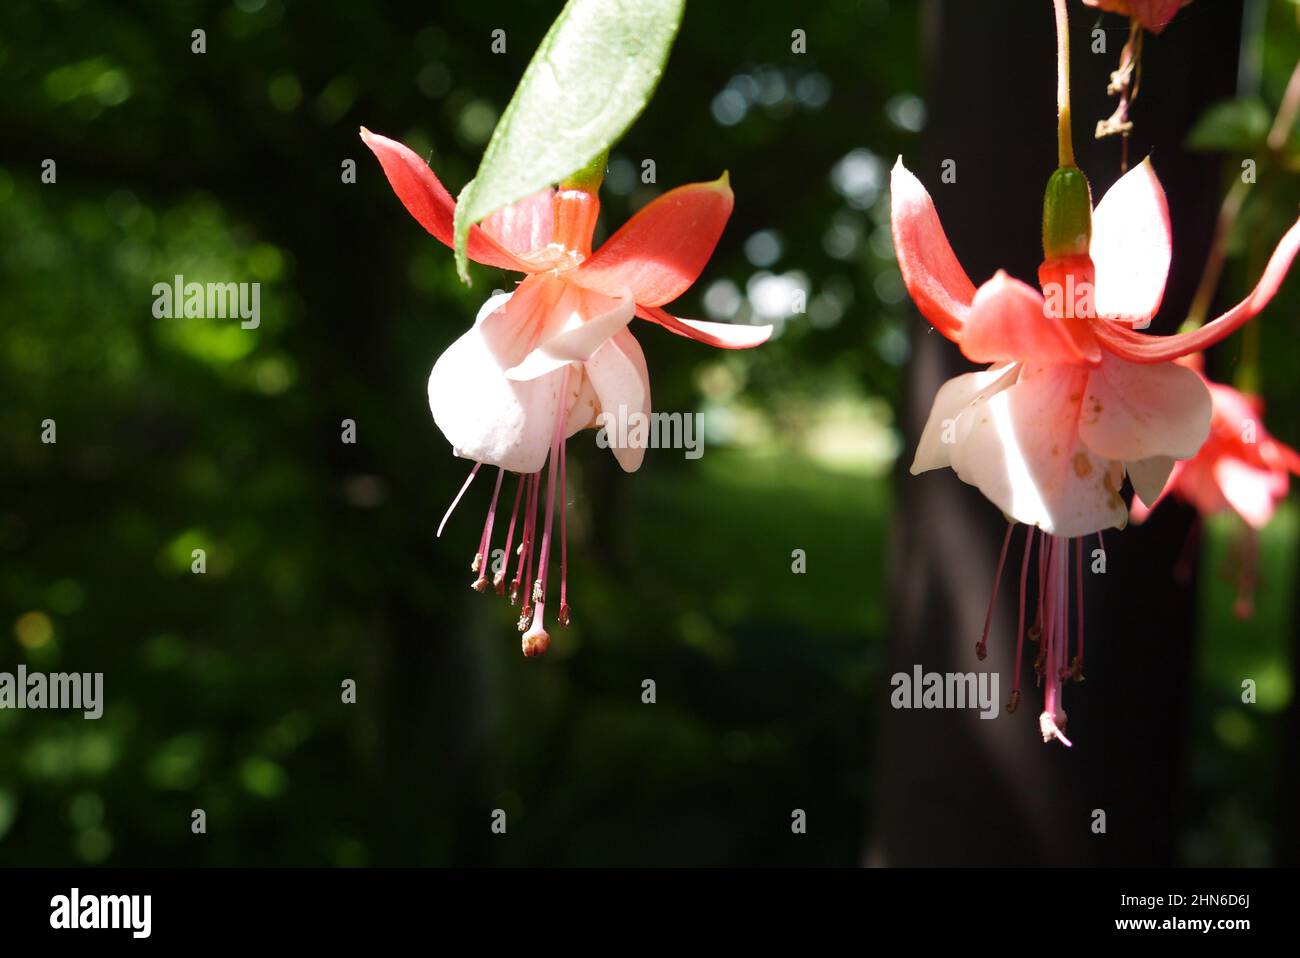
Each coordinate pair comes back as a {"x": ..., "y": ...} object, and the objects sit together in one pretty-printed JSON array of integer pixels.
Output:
[{"x": 537, "y": 639}]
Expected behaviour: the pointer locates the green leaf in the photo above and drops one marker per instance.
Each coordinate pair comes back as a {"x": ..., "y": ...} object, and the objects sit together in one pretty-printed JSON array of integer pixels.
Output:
[
  {"x": 588, "y": 81},
  {"x": 1235, "y": 126}
]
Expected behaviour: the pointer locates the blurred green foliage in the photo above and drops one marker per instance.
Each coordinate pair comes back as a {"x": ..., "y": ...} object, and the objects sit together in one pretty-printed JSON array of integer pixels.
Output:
[{"x": 223, "y": 689}]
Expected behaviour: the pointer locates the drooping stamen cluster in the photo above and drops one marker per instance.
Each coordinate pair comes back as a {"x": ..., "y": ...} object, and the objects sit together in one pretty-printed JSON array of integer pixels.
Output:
[
  {"x": 1051, "y": 626},
  {"x": 526, "y": 586}
]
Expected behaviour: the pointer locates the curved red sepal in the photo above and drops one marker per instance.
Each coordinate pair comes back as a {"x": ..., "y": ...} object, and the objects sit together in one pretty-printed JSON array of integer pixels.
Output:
[
  {"x": 663, "y": 248},
  {"x": 1140, "y": 348},
  {"x": 428, "y": 201},
  {"x": 721, "y": 335}
]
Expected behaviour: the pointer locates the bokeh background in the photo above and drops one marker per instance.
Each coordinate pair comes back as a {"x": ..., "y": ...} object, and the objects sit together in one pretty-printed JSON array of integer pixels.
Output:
[{"x": 223, "y": 689}]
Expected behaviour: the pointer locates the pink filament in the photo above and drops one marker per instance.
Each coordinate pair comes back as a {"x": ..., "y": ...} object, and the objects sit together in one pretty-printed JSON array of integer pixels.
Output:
[
  {"x": 1078, "y": 598},
  {"x": 1020, "y": 620},
  {"x": 564, "y": 534},
  {"x": 486, "y": 539},
  {"x": 510, "y": 533},
  {"x": 452, "y": 508},
  {"x": 530, "y": 533},
  {"x": 981, "y": 647}
]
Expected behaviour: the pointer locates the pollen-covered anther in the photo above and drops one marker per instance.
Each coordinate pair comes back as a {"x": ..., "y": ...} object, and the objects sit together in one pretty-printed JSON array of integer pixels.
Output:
[
  {"x": 1076, "y": 670},
  {"x": 1035, "y": 632},
  {"x": 514, "y": 593},
  {"x": 477, "y": 563},
  {"x": 564, "y": 615},
  {"x": 524, "y": 619},
  {"x": 537, "y": 591},
  {"x": 1038, "y": 663},
  {"x": 499, "y": 582},
  {"x": 479, "y": 584},
  {"x": 1013, "y": 703},
  {"x": 981, "y": 650}
]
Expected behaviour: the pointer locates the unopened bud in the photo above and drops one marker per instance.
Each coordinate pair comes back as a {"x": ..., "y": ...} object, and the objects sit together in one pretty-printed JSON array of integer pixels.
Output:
[{"x": 1067, "y": 214}]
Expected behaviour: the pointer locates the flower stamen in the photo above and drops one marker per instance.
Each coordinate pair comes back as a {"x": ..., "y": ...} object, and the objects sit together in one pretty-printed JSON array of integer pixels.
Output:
[
  {"x": 982, "y": 646},
  {"x": 536, "y": 639},
  {"x": 499, "y": 580},
  {"x": 483, "y": 558},
  {"x": 565, "y": 612},
  {"x": 1020, "y": 620}
]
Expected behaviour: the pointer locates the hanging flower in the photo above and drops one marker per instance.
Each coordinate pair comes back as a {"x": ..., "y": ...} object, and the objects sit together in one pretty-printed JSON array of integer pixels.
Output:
[
  {"x": 1154, "y": 15},
  {"x": 554, "y": 356},
  {"x": 1240, "y": 469},
  {"x": 1076, "y": 397}
]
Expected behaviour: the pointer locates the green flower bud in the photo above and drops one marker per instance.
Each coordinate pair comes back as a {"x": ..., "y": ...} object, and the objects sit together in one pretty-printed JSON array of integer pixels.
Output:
[{"x": 1067, "y": 214}]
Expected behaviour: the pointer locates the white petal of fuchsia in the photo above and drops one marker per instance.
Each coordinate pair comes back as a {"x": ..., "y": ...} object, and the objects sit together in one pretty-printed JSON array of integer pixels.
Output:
[
  {"x": 584, "y": 404},
  {"x": 1023, "y": 452},
  {"x": 1149, "y": 477},
  {"x": 938, "y": 285},
  {"x": 945, "y": 426},
  {"x": 619, "y": 375},
  {"x": 1131, "y": 247},
  {"x": 580, "y": 322},
  {"x": 1133, "y": 411},
  {"x": 1252, "y": 492},
  {"x": 485, "y": 416}
]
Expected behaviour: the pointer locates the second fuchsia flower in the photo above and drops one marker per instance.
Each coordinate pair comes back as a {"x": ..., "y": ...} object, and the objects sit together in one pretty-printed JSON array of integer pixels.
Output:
[
  {"x": 545, "y": 361},
  {"x": 1154, "y": 15},
  {"x": 1240, "y": 469},
  {"x": 1076, "y": 398}
]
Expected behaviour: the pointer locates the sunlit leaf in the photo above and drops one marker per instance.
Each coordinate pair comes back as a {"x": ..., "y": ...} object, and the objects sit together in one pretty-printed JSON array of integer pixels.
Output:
[
  {"x": 590, "y": 78},
  {"x": 1236, "y": 126}
]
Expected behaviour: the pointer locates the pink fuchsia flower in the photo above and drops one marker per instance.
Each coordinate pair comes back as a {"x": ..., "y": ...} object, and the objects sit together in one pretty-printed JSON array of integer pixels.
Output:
[
  {"x": 1240, "y": 469},
  {"x": 1075, "y": 397},
  {"x": 552, "y": 357},
  {"x": 1154, "y": 15}
]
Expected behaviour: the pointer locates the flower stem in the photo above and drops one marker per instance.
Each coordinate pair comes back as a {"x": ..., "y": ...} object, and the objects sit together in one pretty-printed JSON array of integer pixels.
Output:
[
  {"x": 1283, "y": 122},
  {"x": 1064, "y": 140}
]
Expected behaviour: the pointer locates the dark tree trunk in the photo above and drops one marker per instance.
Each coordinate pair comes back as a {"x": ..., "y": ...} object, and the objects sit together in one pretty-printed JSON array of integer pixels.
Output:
[{"x": 950, "y": 788}]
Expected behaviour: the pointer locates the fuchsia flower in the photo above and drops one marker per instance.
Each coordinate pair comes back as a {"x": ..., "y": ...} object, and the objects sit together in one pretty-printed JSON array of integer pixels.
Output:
[
  {"x": 1241, "y": 468},
  {"x": 545, "y": 361},
  {"x": 1154, "y": 15},
  {"x": 1075, "y": 397}
]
